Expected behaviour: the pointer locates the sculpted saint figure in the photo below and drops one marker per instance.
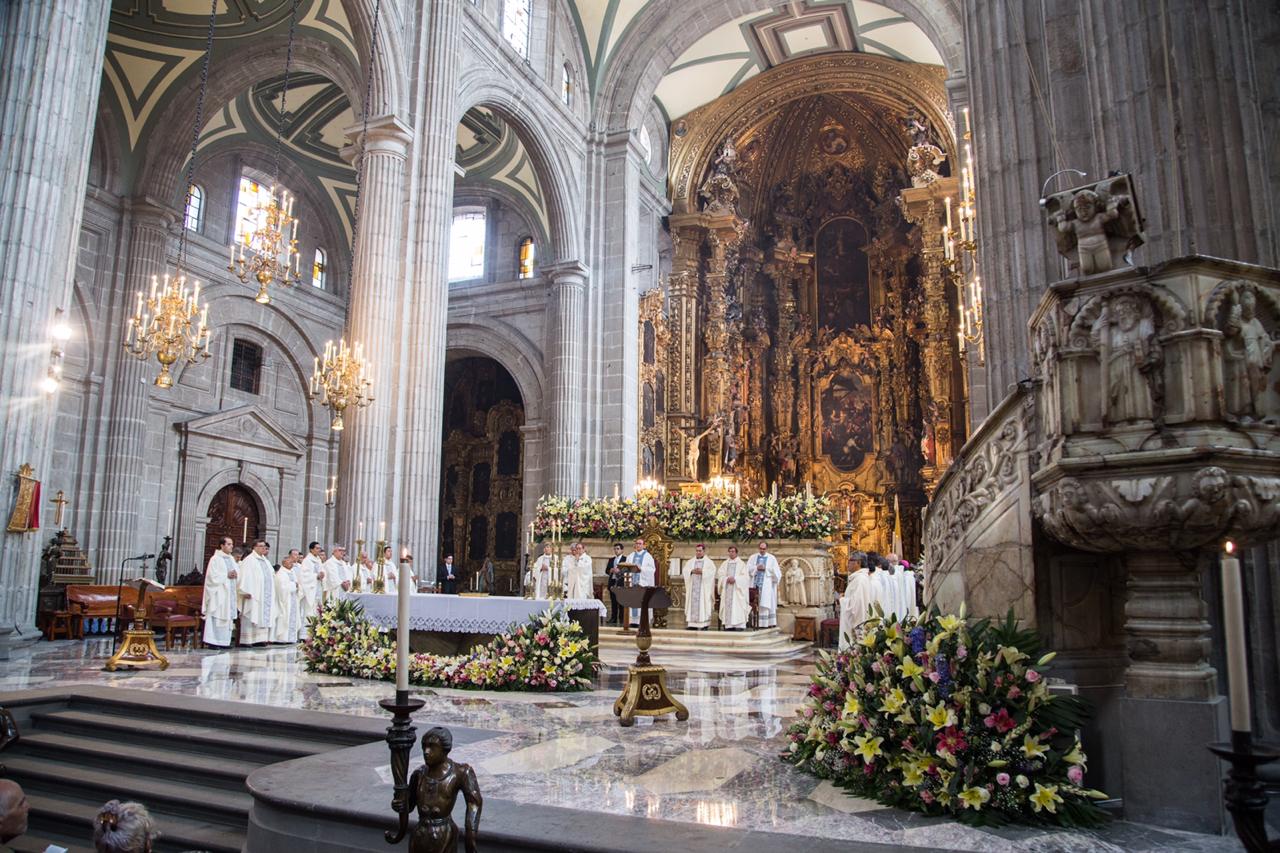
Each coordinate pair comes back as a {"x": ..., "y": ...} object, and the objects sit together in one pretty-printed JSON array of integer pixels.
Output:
[
  {"x": 1247, "y": 353},
  {"x": 434, "y": 788},
  {"x": 1130, "y": 352},
  {"x": 794, "y": 589}
]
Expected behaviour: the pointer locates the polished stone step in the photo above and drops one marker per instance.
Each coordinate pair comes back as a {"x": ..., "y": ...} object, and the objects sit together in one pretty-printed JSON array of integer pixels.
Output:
[
  {"x": 65, "y": 819},
  {"x": 768, "y": 639},
  {"x": 152, "y": 760}
]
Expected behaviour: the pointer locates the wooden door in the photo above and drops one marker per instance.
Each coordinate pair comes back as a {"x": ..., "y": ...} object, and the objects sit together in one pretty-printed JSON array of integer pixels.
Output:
[{"x": 232, "y": 512}]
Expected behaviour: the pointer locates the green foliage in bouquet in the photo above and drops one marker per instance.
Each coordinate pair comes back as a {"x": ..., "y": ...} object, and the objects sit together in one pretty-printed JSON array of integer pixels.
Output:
[
  {"x": 689, "y": 517},
  {"x": 948, "y": 718},
  {"x": 548, "y": 653}
]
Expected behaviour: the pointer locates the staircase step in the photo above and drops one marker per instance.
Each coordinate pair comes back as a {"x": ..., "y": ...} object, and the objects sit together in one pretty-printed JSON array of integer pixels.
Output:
[
  {"x": 56, "y": 814},
  {"x": 189, "y": 736},
  {"x": 150, "y": 760},
  {"x": 162, "y": 796}
]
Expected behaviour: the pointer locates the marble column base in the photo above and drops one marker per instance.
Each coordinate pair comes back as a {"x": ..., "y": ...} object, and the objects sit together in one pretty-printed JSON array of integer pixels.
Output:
[{"x": 1170, "y": 777}]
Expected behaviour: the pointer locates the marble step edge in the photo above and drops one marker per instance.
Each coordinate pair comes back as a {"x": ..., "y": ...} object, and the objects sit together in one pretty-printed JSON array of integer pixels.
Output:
[
  {"x": 159, "y": 795},
  {"x": 59, "y": 745},
  {"x": 63, "y": 814},
  {"x": 173, "y": 733}
]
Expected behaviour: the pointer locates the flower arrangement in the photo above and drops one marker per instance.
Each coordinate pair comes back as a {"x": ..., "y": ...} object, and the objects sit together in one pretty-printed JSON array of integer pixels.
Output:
[
  {"x": 689, "y": 517},
  {"x": 947, "y": 718},
  {"x": 548, "y": 653}
]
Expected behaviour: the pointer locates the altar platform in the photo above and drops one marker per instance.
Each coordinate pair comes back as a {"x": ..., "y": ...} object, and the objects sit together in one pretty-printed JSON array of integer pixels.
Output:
[{"x": 452, "y": 624}]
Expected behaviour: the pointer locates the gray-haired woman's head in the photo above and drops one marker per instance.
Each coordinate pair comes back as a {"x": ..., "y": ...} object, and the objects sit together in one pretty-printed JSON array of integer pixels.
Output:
[{"x": 124, "y": 828}]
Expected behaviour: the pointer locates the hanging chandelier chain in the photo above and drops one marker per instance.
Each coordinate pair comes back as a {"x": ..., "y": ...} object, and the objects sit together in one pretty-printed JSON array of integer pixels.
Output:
[
  {"x": 364, "y": 140},
  {"x": 195, "y": 132},
  {"x": 284, "y": 92}
]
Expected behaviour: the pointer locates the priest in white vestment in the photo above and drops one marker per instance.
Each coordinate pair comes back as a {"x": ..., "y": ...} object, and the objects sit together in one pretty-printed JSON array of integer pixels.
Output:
[
  {"x": 219, "y": 603},
  {"x": 734, "y": 581},
  {"x": 886, "y": 586},
  {"x": 647, "y": 576},
  {"x": 337, "y": 573},
  {"x": 364, "y": 567},
  {"x": 538, "y": 577},
  {"x": 856, "y": 605},
  {"x": 310, "y": 574},
  {"x": 907, "y": 591},
  {"x": 766, "y": 574},
  {"x": 390, "y": 575},
  {"x": 257, "y": 588},
  {"x": 288, "y": 601},
  {"x": 577, "y": 574},
  {"x": 699, "y": 589}
]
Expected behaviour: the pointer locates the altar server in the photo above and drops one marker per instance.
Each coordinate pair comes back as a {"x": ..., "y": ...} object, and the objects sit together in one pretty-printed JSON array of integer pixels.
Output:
[
  {"x": 257, "y": 588},
  {"x": 577, "y": 574},
  {"x": 699, "y": 589},
  {"x": 288, "y": 601},
  {"x": 855, "y": 605},
  {"x": 539, "y": 575},
  {"x": 765, "y": 576},
  {"x": 219, "y": 603},
  {"x": 647, "y": 576},
  {"x": 337, "y": 572},
  {"x": 734, "y": 581}
]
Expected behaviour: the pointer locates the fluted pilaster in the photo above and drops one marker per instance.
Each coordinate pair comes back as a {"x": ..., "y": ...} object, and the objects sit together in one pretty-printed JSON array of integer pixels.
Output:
[
  {"x": 420, "y": 402},
  {"x": 568, "y": 299},
  {"x": 365, "y": 450},
  {"x": 50, "y": 67},
  {"x": 130, "y": 389}
]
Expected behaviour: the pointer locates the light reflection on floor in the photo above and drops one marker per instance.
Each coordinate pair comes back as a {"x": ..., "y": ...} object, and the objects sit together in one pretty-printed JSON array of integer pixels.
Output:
[{"x": 719, "y": 768}]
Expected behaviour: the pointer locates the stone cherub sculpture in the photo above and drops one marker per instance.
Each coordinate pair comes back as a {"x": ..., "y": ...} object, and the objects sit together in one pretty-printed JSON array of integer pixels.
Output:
[
  {"x": 1096, "y": 225},
  {"x": 434, "y": 788}
]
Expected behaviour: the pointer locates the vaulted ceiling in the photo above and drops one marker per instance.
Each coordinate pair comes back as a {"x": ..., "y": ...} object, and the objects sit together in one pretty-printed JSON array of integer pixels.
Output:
[
  {"x": 722, "y": 59},
  {"x": 489, "y": 152}
]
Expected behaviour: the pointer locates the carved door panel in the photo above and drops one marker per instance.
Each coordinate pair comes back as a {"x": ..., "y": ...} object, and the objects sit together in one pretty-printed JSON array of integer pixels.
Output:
[{"x": 233, "y": 512}]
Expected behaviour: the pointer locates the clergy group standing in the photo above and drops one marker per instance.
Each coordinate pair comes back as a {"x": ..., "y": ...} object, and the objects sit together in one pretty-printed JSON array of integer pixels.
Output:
[{"x": 877, "y": 586}]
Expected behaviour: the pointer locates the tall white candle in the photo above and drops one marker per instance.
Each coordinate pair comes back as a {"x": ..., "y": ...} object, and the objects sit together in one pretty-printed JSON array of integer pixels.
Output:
[
  {"x": 402, "y": 636},
  {"x": 168, "y": 523},
  {"x": 382, "y": 531},
  {"x": 1233, "y": 627},
  {"x": 584, "y": 490},
  {"x": 244, "y": 534}
]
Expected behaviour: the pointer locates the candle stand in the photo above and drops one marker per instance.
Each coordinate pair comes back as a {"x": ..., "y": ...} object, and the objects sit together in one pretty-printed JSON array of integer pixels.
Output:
[
  {"x": 401, "y": 737},
  {"x": 1245, "y": 797}
]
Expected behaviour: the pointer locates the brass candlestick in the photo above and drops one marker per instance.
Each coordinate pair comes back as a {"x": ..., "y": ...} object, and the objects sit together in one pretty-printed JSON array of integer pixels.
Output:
[
  {"x": 356, "y": 586},
  {"x": 379, "y": 576}
]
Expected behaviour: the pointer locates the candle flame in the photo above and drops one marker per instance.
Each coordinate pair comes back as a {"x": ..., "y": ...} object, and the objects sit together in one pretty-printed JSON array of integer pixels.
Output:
[{"x": 1230, "y": 547}]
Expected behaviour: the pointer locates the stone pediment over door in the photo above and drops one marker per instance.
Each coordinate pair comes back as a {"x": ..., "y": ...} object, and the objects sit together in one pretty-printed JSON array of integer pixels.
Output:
[{"x": 248, "y": 427}]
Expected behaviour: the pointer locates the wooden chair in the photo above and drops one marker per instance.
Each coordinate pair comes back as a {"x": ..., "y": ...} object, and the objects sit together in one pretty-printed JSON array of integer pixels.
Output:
[
  {"x": 60, "y": 623},
  {"x": 187, "y": 629}
]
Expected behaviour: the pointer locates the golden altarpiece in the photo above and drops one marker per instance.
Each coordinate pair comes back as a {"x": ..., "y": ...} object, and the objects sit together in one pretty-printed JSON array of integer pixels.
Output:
[
  {"x": 807, "y": 335},
  {"x": 482, "y": 461}
]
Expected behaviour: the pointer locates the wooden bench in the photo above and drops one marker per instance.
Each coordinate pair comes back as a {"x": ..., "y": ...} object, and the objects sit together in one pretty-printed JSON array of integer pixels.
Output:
[{"x": 88, "y": 602}]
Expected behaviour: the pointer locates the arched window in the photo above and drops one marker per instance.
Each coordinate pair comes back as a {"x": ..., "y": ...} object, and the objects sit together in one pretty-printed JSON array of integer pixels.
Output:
[
  {"x": 515, "y": 24},
  {"x": 319, "y": 269},
  {"x": 646, "y": 144},
  {"x": 194, "y": 216},
  {"x": 524, "y": 258},
  {"x": 466, "y": 245},
  {"x": 566, "y": 85}
]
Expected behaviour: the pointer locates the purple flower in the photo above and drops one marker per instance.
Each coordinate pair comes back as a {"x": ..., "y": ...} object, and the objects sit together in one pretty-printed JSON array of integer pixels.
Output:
[
  {"x": 1002, "y": 778},
  {"x": 1075, "y": 774}
]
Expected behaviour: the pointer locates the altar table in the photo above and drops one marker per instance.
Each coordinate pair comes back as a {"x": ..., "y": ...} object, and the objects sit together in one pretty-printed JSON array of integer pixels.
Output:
[{"x": 433, "y": 616}]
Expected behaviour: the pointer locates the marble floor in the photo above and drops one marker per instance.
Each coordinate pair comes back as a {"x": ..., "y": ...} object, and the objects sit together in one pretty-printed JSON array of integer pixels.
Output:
[{"x": 719, "y": 768}]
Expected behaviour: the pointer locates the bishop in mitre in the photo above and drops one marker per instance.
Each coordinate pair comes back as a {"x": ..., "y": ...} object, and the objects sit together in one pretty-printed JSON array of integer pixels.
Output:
[
  {"x": 539, "y": 575},
  {"x": 856, "y": 604},
  {"x": 257, "y": 588},
  {"x": 699, "y": 589},
  {"x": 288, "y": 601},
  {"x": 219, "y": 604},
  {"x": 310, "y": 574},
  {"x": 734, "y": 580},
  {"x": 337, "y": 573},
  {"x": 577, "y": 573}
]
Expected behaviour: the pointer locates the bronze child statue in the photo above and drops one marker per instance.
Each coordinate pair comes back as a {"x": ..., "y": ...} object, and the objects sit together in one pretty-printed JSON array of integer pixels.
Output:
[{"x": 434, "y": 787}]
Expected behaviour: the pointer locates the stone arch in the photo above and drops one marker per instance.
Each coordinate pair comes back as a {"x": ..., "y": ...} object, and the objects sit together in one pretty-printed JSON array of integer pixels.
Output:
[
  {"x": 656, "y": 38},
  {"x": 168, "y": 141},
  {"x": 476, "y": 191},
  {"x": 387, "y": 92},
  {"x": 510, "y": 349},
  {"x": 553, "y": 164},
  {"x": 233, "y": 475}
]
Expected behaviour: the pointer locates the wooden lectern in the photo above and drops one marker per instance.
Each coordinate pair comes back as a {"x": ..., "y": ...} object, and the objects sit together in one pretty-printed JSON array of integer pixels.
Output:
[{"x": 646, "y": 693}]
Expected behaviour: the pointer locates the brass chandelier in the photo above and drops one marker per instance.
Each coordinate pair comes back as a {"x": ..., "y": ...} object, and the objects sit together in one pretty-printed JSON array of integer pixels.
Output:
[
  {"x": 164, "y": 324},
  {"x": 340, "y": 380},
  {"x": 267, "y": 250}
]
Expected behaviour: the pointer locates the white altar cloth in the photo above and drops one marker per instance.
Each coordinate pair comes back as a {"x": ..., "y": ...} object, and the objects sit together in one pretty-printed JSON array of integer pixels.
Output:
[{"x": 465, "y": 615}]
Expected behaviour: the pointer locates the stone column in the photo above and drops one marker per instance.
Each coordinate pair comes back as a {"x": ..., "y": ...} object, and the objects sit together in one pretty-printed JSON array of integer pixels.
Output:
[
  {"x": 50, "y": 68},
  {"x": 365, "y": 464},
  {"x": 130, "y": 390},
  {"x": 425, "y": 305},
  {"x": 564, "y": 355}
]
